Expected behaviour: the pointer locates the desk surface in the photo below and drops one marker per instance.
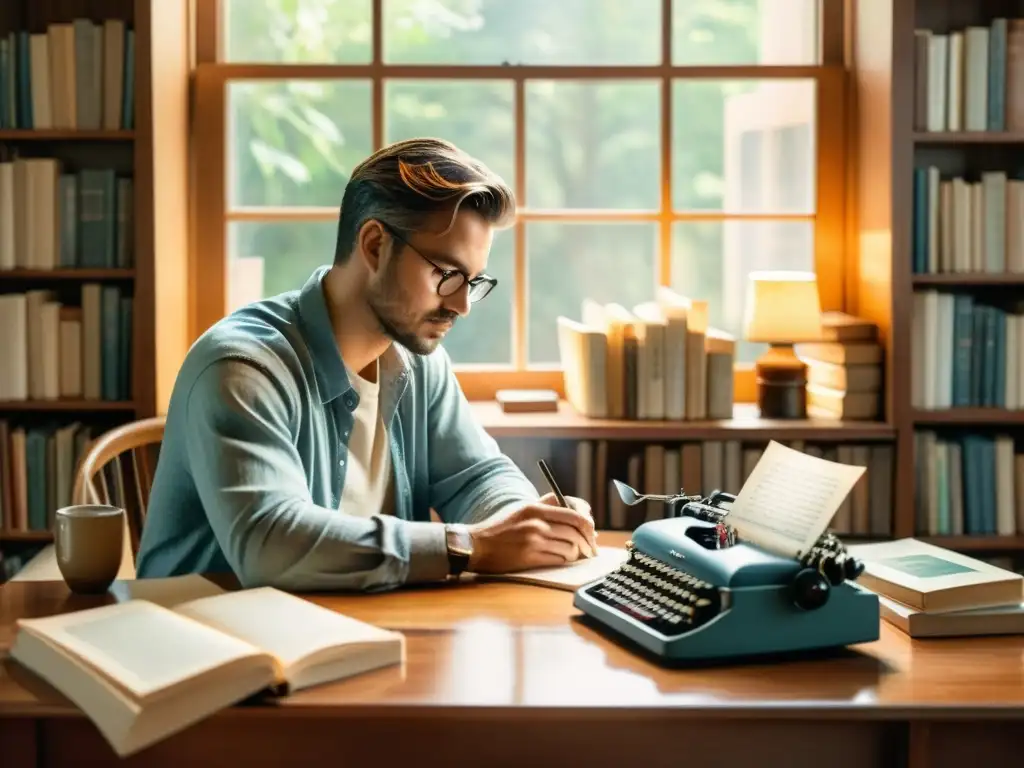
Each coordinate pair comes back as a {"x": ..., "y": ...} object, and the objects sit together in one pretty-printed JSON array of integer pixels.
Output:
[{"x": 515, "y": 648}]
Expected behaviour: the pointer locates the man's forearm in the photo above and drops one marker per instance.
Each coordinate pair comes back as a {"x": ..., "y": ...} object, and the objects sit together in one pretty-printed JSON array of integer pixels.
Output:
[
  {"x": 301, "y": 546},
  {"x": 486, "y": 488}
]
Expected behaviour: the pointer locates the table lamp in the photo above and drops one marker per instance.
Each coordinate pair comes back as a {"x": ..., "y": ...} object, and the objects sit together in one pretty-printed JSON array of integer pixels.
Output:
[{"x": 782, "y": 309}]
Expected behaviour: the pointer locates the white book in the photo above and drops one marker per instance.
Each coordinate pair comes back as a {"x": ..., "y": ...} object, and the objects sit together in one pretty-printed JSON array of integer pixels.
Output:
[
  {"x": 932, "y": 578},
  {"x": 39, "y": 74},
  {"x": 993, "y": 620},
  {"x": 14, "y": 342},
  {"x": 994, "y": 190},
  {"x": 142, "y": 670},
  {"x": 976, "y": 79},
  {"x": 48, "y": 350},
  {"x": 1006, "y": 519},
  {"x": 955, "y": 82},
  {"x": 938, "y": 52}
]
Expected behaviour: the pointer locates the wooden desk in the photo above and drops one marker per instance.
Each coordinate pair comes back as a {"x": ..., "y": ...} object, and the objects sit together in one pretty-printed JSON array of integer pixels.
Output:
[{"x": 503, "y": 674}]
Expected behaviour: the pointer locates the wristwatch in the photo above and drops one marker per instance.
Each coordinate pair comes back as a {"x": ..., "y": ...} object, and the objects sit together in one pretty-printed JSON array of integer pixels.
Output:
[{"x": 460, "y": 547}]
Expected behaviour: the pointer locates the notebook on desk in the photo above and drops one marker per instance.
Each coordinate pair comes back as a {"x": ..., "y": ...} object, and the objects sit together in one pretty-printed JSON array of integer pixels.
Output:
[
  {"x": 143, "y": 670},
  {"x": 569, "y": 577}
]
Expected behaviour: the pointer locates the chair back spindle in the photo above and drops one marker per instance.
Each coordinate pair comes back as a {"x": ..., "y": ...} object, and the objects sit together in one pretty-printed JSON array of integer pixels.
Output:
[{"x": 118, "y": 470}]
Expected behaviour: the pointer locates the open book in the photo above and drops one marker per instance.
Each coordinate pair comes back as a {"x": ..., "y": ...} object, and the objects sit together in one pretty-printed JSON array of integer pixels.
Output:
[{"x": 142, "y": 670}]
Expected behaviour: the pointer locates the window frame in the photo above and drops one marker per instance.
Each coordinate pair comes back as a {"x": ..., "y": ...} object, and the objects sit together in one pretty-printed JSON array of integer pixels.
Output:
[{"x": 208, "y": 266}]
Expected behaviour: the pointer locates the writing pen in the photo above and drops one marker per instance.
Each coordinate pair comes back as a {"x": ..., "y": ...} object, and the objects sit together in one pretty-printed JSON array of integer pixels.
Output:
[
  {"x": 559, "y": 496},
  {"x": 551, "y": 482}
]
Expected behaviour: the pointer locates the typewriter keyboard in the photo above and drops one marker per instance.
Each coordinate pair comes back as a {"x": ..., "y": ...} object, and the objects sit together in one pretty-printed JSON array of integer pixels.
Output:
[{"x": 667, "y": 600}]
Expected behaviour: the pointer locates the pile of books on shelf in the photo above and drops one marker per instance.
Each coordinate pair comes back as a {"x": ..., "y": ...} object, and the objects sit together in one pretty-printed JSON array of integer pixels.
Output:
[
  {"x": 970, "y": 79},
  {"x": 37, "y": 472},
  {"x": 659, "y": 360},
  {"x": 966, "y": 352},
  {"x": 930, "y": 591},
  {"x": 57, "y": 350},
  {"x": 968, "y": 483},
  {"x": 968, "y": 226},
  {"x": 844, "y": 370},
  {"x": 53, "y": 217},
  {"x": 78, "y": 75}
]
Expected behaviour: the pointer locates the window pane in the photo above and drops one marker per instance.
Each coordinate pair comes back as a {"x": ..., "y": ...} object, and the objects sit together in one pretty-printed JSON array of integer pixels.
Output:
[
  {"x": 291, "y": 31},
  {"x": 294, "y": 142},
  {"x": 712, "y": 260},
  {"x": 572, "y": 32},
  {"x": 485, "y": 335},
  {"x": 267, "y": 258},
  {"x": 744, "y": 145},
  {"x": 592, "y": 145},
  {"x": 571, "y": 262},
  {"x": 475, "y": 115},
  {"x": 745, "y": 32}
]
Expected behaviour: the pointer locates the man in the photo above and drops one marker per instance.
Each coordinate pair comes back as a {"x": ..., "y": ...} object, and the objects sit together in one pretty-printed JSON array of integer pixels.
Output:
[{"x": 310, "y": 434}]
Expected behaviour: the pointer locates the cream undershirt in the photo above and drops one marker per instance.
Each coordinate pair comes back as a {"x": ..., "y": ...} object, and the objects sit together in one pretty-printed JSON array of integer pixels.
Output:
[{"x": 368, "y": 476}]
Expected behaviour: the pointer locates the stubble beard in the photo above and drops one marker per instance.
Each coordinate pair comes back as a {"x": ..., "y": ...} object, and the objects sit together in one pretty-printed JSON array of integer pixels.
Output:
[{"x": 388, "y": 306}]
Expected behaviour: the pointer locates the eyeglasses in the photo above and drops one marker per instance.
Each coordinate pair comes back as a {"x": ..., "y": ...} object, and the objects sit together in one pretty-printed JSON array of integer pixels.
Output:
[{"x": 451, "y": 279}]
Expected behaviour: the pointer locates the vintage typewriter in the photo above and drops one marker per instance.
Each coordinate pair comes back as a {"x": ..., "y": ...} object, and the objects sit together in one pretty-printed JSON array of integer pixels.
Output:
[{"x": 690, "y": 590}]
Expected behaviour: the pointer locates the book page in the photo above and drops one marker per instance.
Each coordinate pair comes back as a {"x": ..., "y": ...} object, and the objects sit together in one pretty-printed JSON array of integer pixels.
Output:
[
  {"x": 140, "y": 646},
  {"x": 287, "y": 626},
  {"x": 573, "y": 575},
  {"x": 789, "y": 499}
]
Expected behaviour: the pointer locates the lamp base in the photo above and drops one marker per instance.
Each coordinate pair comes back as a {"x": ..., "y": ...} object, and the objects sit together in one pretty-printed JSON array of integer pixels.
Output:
[{"x": 781, "y": 383}]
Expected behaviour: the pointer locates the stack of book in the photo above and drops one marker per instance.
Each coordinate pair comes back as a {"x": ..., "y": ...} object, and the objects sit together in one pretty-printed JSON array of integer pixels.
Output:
[
  {"x": 659, "y": 360},
  {"x": 844, "y": 370},
  {"x": 929, "y": 591}
]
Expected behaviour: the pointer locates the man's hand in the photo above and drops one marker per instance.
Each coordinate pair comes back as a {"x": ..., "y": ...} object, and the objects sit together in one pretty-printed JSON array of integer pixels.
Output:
[{"x": 537, "y": 535}]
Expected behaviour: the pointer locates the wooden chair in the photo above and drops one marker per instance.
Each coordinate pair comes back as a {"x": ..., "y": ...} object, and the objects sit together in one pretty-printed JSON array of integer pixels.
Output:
[{"x": 118, "y": 469}]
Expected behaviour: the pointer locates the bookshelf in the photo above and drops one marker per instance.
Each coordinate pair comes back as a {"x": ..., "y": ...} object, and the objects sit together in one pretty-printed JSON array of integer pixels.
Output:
[
  {"x": 921, "y": 230},
  {"x": 100, "y": 93}
]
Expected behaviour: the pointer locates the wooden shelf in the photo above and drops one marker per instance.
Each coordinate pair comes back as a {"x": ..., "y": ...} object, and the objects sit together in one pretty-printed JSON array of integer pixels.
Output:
[
  {"x": 28, "y": 406},
  {"x": 27, "y": 536},
  {"x": 970, "y": 416},
  {"x": 967, "y": 137},
  {"x": 969, "y": 279},
  {"x": 745, "y": 425},
  {"x": 65, "y": 135},
  {"x": 67, "y": 274},
  {"x": 976, "y": 543}
]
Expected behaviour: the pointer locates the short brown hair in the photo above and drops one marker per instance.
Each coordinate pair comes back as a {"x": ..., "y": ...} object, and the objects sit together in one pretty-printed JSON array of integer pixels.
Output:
[{"x": 404, "y": 183}]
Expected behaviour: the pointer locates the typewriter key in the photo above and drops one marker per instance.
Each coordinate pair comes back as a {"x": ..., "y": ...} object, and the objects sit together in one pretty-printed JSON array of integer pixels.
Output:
[{"x": 853, "y": 568}]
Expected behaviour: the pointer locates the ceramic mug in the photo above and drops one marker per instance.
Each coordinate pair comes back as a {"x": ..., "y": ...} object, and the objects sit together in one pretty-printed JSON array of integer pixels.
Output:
[{"x": 89, "y": 540}]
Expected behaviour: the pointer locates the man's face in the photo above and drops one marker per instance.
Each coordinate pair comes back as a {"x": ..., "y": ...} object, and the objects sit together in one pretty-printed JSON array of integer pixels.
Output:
[{"x": 403, "y": 293}]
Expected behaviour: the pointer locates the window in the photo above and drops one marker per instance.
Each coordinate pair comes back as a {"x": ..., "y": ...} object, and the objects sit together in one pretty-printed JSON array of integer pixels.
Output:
[{"x": 676, "y": 142}]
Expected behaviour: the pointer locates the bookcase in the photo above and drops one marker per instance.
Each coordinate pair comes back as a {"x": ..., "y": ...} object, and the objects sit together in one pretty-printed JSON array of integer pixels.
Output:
[
  {"x": 938, "y": 91},
  {"x": 93, "y": 216}
]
